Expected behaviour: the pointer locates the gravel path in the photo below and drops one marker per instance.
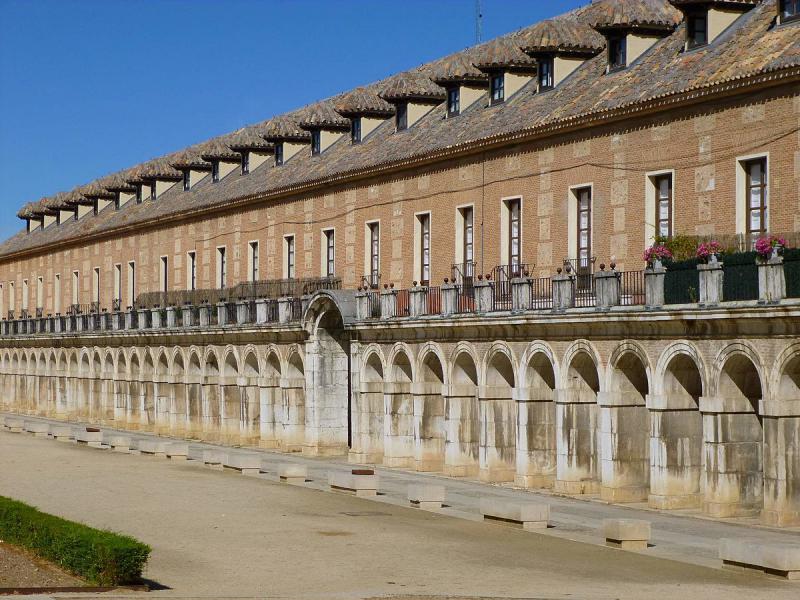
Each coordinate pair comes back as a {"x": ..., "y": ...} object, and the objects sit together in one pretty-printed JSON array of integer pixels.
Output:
[{"x": 18, "y": 568}]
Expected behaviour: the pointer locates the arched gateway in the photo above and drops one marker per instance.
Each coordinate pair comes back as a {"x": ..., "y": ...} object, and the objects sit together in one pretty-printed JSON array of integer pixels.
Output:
[{"x": 327, "y": 373}]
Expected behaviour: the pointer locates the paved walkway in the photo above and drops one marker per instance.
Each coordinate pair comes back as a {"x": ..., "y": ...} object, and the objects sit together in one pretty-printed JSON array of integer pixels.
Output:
[{"x": 682, "y": 538}]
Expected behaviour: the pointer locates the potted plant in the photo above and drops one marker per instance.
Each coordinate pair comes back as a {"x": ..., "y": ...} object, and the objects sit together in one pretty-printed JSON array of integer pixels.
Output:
[
  {"x": 769, "y": 246},
  {"x": 655, "y": 254},
  {"x": 708, "y": 251}
]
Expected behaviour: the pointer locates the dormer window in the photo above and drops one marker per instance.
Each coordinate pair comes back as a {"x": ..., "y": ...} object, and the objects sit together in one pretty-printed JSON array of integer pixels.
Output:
[
  {"x": 453, "y": 102},
  {"x": 617, "y": 52},
  {"x": 245, "y": 162},
  {"x": 75, "y": 214},
  {"x": 355, "y": 130},
  {"x": 95, "y": 207},
  {"x": 790, "y": 10},
  {"x": 278, "y": 154},
  {"x": 215, "y": 172},
  {"x": 187, "y": 182},
  {"x": 545, "y": 71},
  {"x": 696, "y": 29},
  {"x": 138, "y": 197},
  {"x": 498, "y": 88},
  {"x": 315, "y": 142},
  {"x": 153, "y": 191},
  {"x": 401, "y": 117}
]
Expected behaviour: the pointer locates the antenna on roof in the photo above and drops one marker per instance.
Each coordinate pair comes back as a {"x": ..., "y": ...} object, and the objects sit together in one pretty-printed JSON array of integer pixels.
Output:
[{"x": 478, "y": 21}]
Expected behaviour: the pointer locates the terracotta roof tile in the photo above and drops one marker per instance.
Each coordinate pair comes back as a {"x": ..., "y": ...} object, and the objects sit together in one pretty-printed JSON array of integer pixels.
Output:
[
  {"x": 562, "y": 35},
  {"x": 251, "y": 138},
  {"x": 634, "y": 14},
  {"x": 286, "y": 127},
  {"x": 412, "y": 85},
  {"x": 504, "y": 53},
  {"x": 322, "y": 115},
  {"x": 364, "y": 102}
]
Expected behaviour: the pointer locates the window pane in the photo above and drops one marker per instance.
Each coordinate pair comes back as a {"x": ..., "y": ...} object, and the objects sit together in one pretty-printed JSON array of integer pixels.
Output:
[
  {"x": 755, "y": 220},
  {"x": 663, "y": 187},
  {"x": 584, "y": 220},
  {"x": 663, "y": 211},
  {"x": 755, "y": 197},
  {"x": 755, "y": 173},
  {"x": 584, "y": 243}
]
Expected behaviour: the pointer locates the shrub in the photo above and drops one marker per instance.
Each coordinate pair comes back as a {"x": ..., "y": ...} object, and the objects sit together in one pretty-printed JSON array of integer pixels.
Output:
[
  {"x": 683, "y": 247},
  {"x": 101, "y": 557}
]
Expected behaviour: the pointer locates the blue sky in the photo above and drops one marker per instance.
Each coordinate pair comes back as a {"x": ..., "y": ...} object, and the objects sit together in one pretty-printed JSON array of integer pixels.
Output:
[{"x": 88, "y": 87}]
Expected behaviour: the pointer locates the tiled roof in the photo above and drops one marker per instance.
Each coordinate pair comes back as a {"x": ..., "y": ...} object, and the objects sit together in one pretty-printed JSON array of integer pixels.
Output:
[
  {"x": 97, "y": 189},
  {"x": 286, "y": 127},
  {"x": 566, "y": 35},
  {"x": 191, "y": 158},
  {"x": 459, "y": 68},
  {"x": 721, "y": 3},
  {"x": 118, "y": 182},
  {"x": 412, "y": 85},
  {"x": 752, "y": 47},
  {"x": 322, "y": 115},
  {"x": 218, "y": 149},
  {"x": 364, "y": 102},
  {"x": 634, "y": 14},
  {"x": 251, "y": 138},
  {"x": 504, "y": 53}
]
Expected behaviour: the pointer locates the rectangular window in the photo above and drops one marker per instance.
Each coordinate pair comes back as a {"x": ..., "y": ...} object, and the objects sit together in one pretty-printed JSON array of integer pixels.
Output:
[
  {"x": 131, "y": 284},
  {"x": 330, "y": 253},
  {"x": 355, "y": 130},
  {"x": 95, "y": 206},
  {"x": 215, "y": 171},
  {"x": 164, "y": 272},
  {"x": 453, "y": 101},
  {"x": 253, "y": 259},
  {"x": 191, "y": 270},
  {"x": 96, "y": 285},
  {"x": 663, "y": 186},
  {"x": 245, "y": 162},
  {"x": 139, "y": 194},
  {"x": 697, "y": 29},
  {"x": 57, "y": 293},
  {"x": 469, "y": 248},
  {"x": 12, "y": 297},
  {"x": 425, "y": 248},
  {"x": 498, "y": 88},
  {"x": 546, "y": 74},
  {"x": 222, "y": 267},
  {"x": 278, "y": 154},
  {"x": 617, "y": 52},
  {"x": 76, "y": 281},
  {"x": 584, "y": 223},
  {"x": 25, "y": 297},
  {"x": 374, "y": 254},
  {"x": 153, "y": 191},
  {"x": 187, "y": 180},
  {"x": 514, "y": 235},
  {"x": 289, "y": 256},
  {"x": 790, "y": 10},
  {"x": 316, "y": 142},
  {"x": 39, "y": 292},
  {"x": 756, "y": 195},
  {"x": 401, "y": 117},
  {"x": 117, "y": 300}
]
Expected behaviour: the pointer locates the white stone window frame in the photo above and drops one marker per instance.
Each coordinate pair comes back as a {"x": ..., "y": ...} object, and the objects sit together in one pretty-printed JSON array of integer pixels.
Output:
[
  {"x": 323, "y": 263},
  {"x": 459, "y": 233},
  {"x": 221, "y": 266},
  {"x": 418, "y": 245},
  {"x": 285, "y": 267},
  {"x": 741, "y": 192},
  {"x": 163, "y": 273},
  {"x": 368, "y": 246},
  {"x": 572, "y": 219},
  {"x": 505, "y": 220},
  {"x": 650, "y": 210},
  {"x": 191, "y": 269},
  {"x": 253, "y": 260}
]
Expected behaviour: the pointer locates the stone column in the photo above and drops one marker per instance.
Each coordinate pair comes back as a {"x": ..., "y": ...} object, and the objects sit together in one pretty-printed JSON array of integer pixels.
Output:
[
  {"x": 250, "y": 418},
  {"x": 284, "y": 310},
  {"x": 624, "y": 441},
  {"x": 418, "y": 301},
  {"x": 271, "y": 398},
  {"x": 293, "y": 414},
  {"x": 135, "y": 401},
  {"x": 171, "y": 317},
  {"x": 521, "y": 293},
  {"x": 398, "y": 425},
  {"x": 231, "y": 400},
  {"x": 368, "y": 416},
  {"x": 781, "y": 421},
  {"x": 711, "y": 275},
  {"x": 483, "y": 295},
  {"x": 497, "y": 452},
  {"x": 120, "y": 402},
  {"x": 194, "y": 406},
  {"x": 327, "y": 385},
  {"x": 222, "y": 315},
  {"x": 211, "y": 409},
  {"x": 463, "y": 430},
  {"x": 429, "y": 430},
  {"x": 771, "y": 280},
  {"x": 178, "y": 419},
  {"x": 606, "y": 288},
  {"x": 362, "y": 306},
  {"x": 654, "y": 285},
  {"x": 577, "y": 460},
  {"x": 676, "y": 452},
  {"x": 204, "y": 315},
  {"x": 163, "y": 403},
  {"x": 733, "y": 441},
  {"x": 449, "y": 299},
  {"x": 563, "y": 292},
  {"x": 388, "y": 303},
  {"x": 536, "y": 437},
  {"x": 187, "y": 317}
]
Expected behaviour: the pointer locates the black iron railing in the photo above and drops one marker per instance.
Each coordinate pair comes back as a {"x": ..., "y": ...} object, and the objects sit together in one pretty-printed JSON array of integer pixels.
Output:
[
  {"x": 371, "y": 280},
  {"x": 465, "y": 299},
  {"x": 463, "y": 273},
  {"x": 791, "y": 272},
  {"x": 542, "y": 293},
  {"x": 682, "y": 282},
  {"x": 373, "y": 305},
  {"x": 631, "y": 288},
  {"x": 433, "y": 301},
  {"x": 296, "y": 309},
  {"x": 403, "y": 303},
  {"x": 502, "y": 276}
]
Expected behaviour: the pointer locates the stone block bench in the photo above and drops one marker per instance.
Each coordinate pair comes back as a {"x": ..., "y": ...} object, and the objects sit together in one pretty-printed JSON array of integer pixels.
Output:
[
  {"x": 90, "y": 437},
  {"x": 246, "y": 464},
  {"x": 37, "y": 428},
  {"x": 214, "y": 459},
  {"x": 526, "y": 515},
  {"x": 291, "y": 473},
  {"x": 119, "y": 443},
  {"x": 426, "y": 496},
  {"x": 779, "y": 559},
  {"x": 359, "y": 482},
  {"x": 155, "y": 448},
  {"x": 627, "y": 534},
  {"x": 14, "y": 425},
  {"x": 62, "y": 433},
  {"x": 177, "y": 451}
]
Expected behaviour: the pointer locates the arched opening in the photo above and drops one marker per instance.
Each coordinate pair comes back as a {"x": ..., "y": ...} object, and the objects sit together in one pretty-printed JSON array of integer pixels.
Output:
[
  {"x": 398, "y": 441},
  {"x": 231, "y": 400},
  {"x": 429, "y": 431},
  {"x": 135, "y": 390},
  {"x": 625, "y": 431},
  {"x": 789, "y": 382},
  {"x": 250, "y": 408},
  {"x": 271, "y": 419},
  {"x": 84, "y": 403},
  {"x": 734, "y": 442},
  {"x": 194, "y": 397},
  {"x": 211, "y": 400},
  {"x": 294, "y": 405},
  {"x": 498, "y": 414},
  {"x": 536, "y": 436},
  {"x": 122, "y": 390},
  {"x": 463, "y": 428},
  {"x": 163, "y": 394},
  {"x": 367, "y": 437},
  {"x": 178, "y": 398},
  {"x": 577, "y": 470},
  {"x": 676, "y": 438},
  {"x": 148, "y": 392}
]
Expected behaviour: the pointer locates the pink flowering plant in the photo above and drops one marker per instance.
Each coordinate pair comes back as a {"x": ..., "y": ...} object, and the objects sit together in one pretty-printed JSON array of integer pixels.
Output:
[
  {"x": 766, "y": 245},
  {"x": 656, "y": 252},
  {"x": 708, "y": 249}
]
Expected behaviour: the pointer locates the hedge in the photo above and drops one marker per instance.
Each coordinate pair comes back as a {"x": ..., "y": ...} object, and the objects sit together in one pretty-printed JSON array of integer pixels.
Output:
[{"x": 100, "y": 557}]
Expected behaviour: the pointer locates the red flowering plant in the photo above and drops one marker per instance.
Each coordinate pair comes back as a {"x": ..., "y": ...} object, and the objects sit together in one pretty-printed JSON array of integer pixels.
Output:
[
  {"x": 766, "y": 245},
  {"x": 656, "y": 252},
  {"x": 708, "y": 249}
]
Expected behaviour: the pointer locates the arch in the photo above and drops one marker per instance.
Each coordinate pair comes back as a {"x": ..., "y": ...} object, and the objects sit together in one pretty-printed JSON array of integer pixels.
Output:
[
  {"x": 162, "y": 366},
  {"x": 500, "y": 366},
  {"x": 231, "y": 363},
  {"x": 108, "y": 365},
  {"x": 373, "y": 367},
  {"x": 273, "y": 365},
  {"x": 85, "y": 366},
  {"x": 629, "y": 371},
  {"x": 680, "y": 374},
  {"x": 210, "y": 364},
  {"x": 178, "y": 367},
  {"x": 97, "y": 363},
  {"x": 787, "y": 374},
  {"x": 729, "y": 379},
  {"x": 464, "y": 369},
  {"x": 122, "y": 363},
  {"x": 195, "y": 363},
  {"x": 540, "y": 367},
  {"x": 295, "y": 368},
  {"x": 401, "y": 369},
  {"x": 251, "y": 367},
  {"x": 431, "y": 364}
]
